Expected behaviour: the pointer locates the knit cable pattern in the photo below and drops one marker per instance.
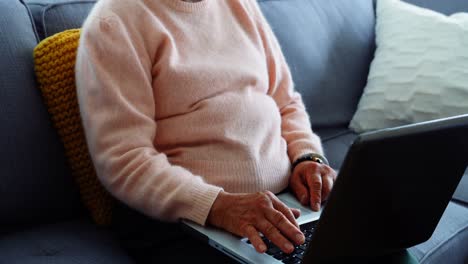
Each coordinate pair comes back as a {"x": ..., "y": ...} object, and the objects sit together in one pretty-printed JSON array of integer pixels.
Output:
[{"x": 54, "y": 60}]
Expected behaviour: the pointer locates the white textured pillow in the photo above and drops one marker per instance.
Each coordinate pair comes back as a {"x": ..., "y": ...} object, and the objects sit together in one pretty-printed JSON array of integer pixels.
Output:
[{"x": 420, "y": 68}]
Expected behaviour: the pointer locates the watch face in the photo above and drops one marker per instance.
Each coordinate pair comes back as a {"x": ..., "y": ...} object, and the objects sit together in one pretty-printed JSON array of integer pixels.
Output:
[{"x": 318, "y": 160}]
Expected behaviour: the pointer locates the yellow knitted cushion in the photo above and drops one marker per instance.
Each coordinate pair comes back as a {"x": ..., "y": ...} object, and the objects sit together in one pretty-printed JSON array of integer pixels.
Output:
[{"x": 54, "y": 60}]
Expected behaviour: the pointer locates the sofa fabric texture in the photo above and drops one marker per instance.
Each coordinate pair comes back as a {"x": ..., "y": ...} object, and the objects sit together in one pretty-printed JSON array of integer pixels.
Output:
[
  {"x": 54, "y": 16},
  {"x": 445, "y": 7},
  {"x": 448, "y": 243},
  {"x": 78, "y": 242},
  {"x": 312, "y": 35},
  {"x": 336, "y": 145},
  {"x": 461, "y": 193},
  {"x": 328, "y": 52},
  {"x": 34, "y": 175}
]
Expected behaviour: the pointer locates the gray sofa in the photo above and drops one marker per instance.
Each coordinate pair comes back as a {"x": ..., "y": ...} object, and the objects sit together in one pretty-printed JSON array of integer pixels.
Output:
[{"x": 328, "y": 44}]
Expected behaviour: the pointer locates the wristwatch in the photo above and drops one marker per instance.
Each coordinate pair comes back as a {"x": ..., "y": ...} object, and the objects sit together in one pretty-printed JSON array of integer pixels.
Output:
[{"x": 310, "y": 157}]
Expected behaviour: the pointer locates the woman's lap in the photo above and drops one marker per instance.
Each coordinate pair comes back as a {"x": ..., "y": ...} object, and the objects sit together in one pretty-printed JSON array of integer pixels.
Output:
[{"x": 151, "y": 241}]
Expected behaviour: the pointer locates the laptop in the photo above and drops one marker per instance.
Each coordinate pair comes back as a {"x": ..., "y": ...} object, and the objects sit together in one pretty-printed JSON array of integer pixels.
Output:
[{"x": 390, "y": 194}]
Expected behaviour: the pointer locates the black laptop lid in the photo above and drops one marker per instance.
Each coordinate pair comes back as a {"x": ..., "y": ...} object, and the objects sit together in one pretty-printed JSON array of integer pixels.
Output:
[{"x": 392, "y": 189}]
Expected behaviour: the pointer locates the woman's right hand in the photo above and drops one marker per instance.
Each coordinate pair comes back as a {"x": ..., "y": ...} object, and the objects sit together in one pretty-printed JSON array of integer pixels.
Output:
[{"x": 248, "y": 214}]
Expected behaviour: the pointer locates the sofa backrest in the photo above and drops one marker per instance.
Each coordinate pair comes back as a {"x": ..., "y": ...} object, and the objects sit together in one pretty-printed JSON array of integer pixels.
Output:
[
  {"x": 328, "y": 46},
  {"x": 54, "y": 16},
  {"x": 35, "y": 181},
  {"x": 447, "y": 7}
]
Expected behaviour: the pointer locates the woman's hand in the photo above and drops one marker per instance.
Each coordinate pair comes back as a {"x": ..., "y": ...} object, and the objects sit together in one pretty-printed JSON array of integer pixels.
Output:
[
  {"x": 248, "y": 214},
  {"x": 312, "y": 183}
]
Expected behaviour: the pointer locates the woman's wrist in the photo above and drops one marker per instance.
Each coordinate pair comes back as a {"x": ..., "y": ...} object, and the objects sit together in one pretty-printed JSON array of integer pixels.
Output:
[
  {"x": 218, "y": 208},
  {"x": 315, "y": 157}
]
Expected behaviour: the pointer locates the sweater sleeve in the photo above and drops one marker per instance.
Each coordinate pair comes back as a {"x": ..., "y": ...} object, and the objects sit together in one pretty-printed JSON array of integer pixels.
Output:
[
  {"x": 295, "y": 124},
  {"x": 115, "y": 94}
]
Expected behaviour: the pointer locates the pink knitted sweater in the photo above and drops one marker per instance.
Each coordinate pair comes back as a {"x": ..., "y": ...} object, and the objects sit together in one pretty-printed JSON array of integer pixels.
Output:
[{"x": 180, "y": 100}]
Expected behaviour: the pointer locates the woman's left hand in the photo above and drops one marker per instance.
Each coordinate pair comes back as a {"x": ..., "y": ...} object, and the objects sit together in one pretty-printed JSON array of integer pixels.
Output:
[{"x": 312, "y": 182}]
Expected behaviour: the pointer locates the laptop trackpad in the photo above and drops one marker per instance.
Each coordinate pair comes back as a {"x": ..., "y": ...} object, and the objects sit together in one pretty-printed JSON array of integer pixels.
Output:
[{"x": 307, "y": 215}]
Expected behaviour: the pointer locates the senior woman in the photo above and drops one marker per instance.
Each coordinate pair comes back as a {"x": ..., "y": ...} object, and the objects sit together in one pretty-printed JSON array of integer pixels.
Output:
[{"x": 190, "y": 112}]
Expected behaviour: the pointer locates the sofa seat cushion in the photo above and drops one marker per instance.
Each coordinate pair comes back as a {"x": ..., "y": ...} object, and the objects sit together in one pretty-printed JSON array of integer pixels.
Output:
[
  {"x": 336, "y": 142},
  {"x": 461, "y": 194},
  {"x": 77, "y": 241},
  {"x": 449, "y": 241}
]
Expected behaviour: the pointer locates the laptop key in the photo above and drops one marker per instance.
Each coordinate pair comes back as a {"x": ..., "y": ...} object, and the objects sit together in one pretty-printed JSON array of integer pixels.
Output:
[
  {"x": 297, "y": 251},
  {"x": 279, "y": 256},
  {"x": 292, "y": 260},
  {"x": 273, "y": 251}
]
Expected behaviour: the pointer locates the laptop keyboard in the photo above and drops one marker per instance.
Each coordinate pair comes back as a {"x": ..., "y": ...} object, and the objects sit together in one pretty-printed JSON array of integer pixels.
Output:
[{"x": 298, "y": 253}]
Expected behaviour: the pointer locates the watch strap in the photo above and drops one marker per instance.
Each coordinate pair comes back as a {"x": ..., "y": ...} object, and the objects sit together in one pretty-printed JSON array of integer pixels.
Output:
[{"x": 315, "y": 157}]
